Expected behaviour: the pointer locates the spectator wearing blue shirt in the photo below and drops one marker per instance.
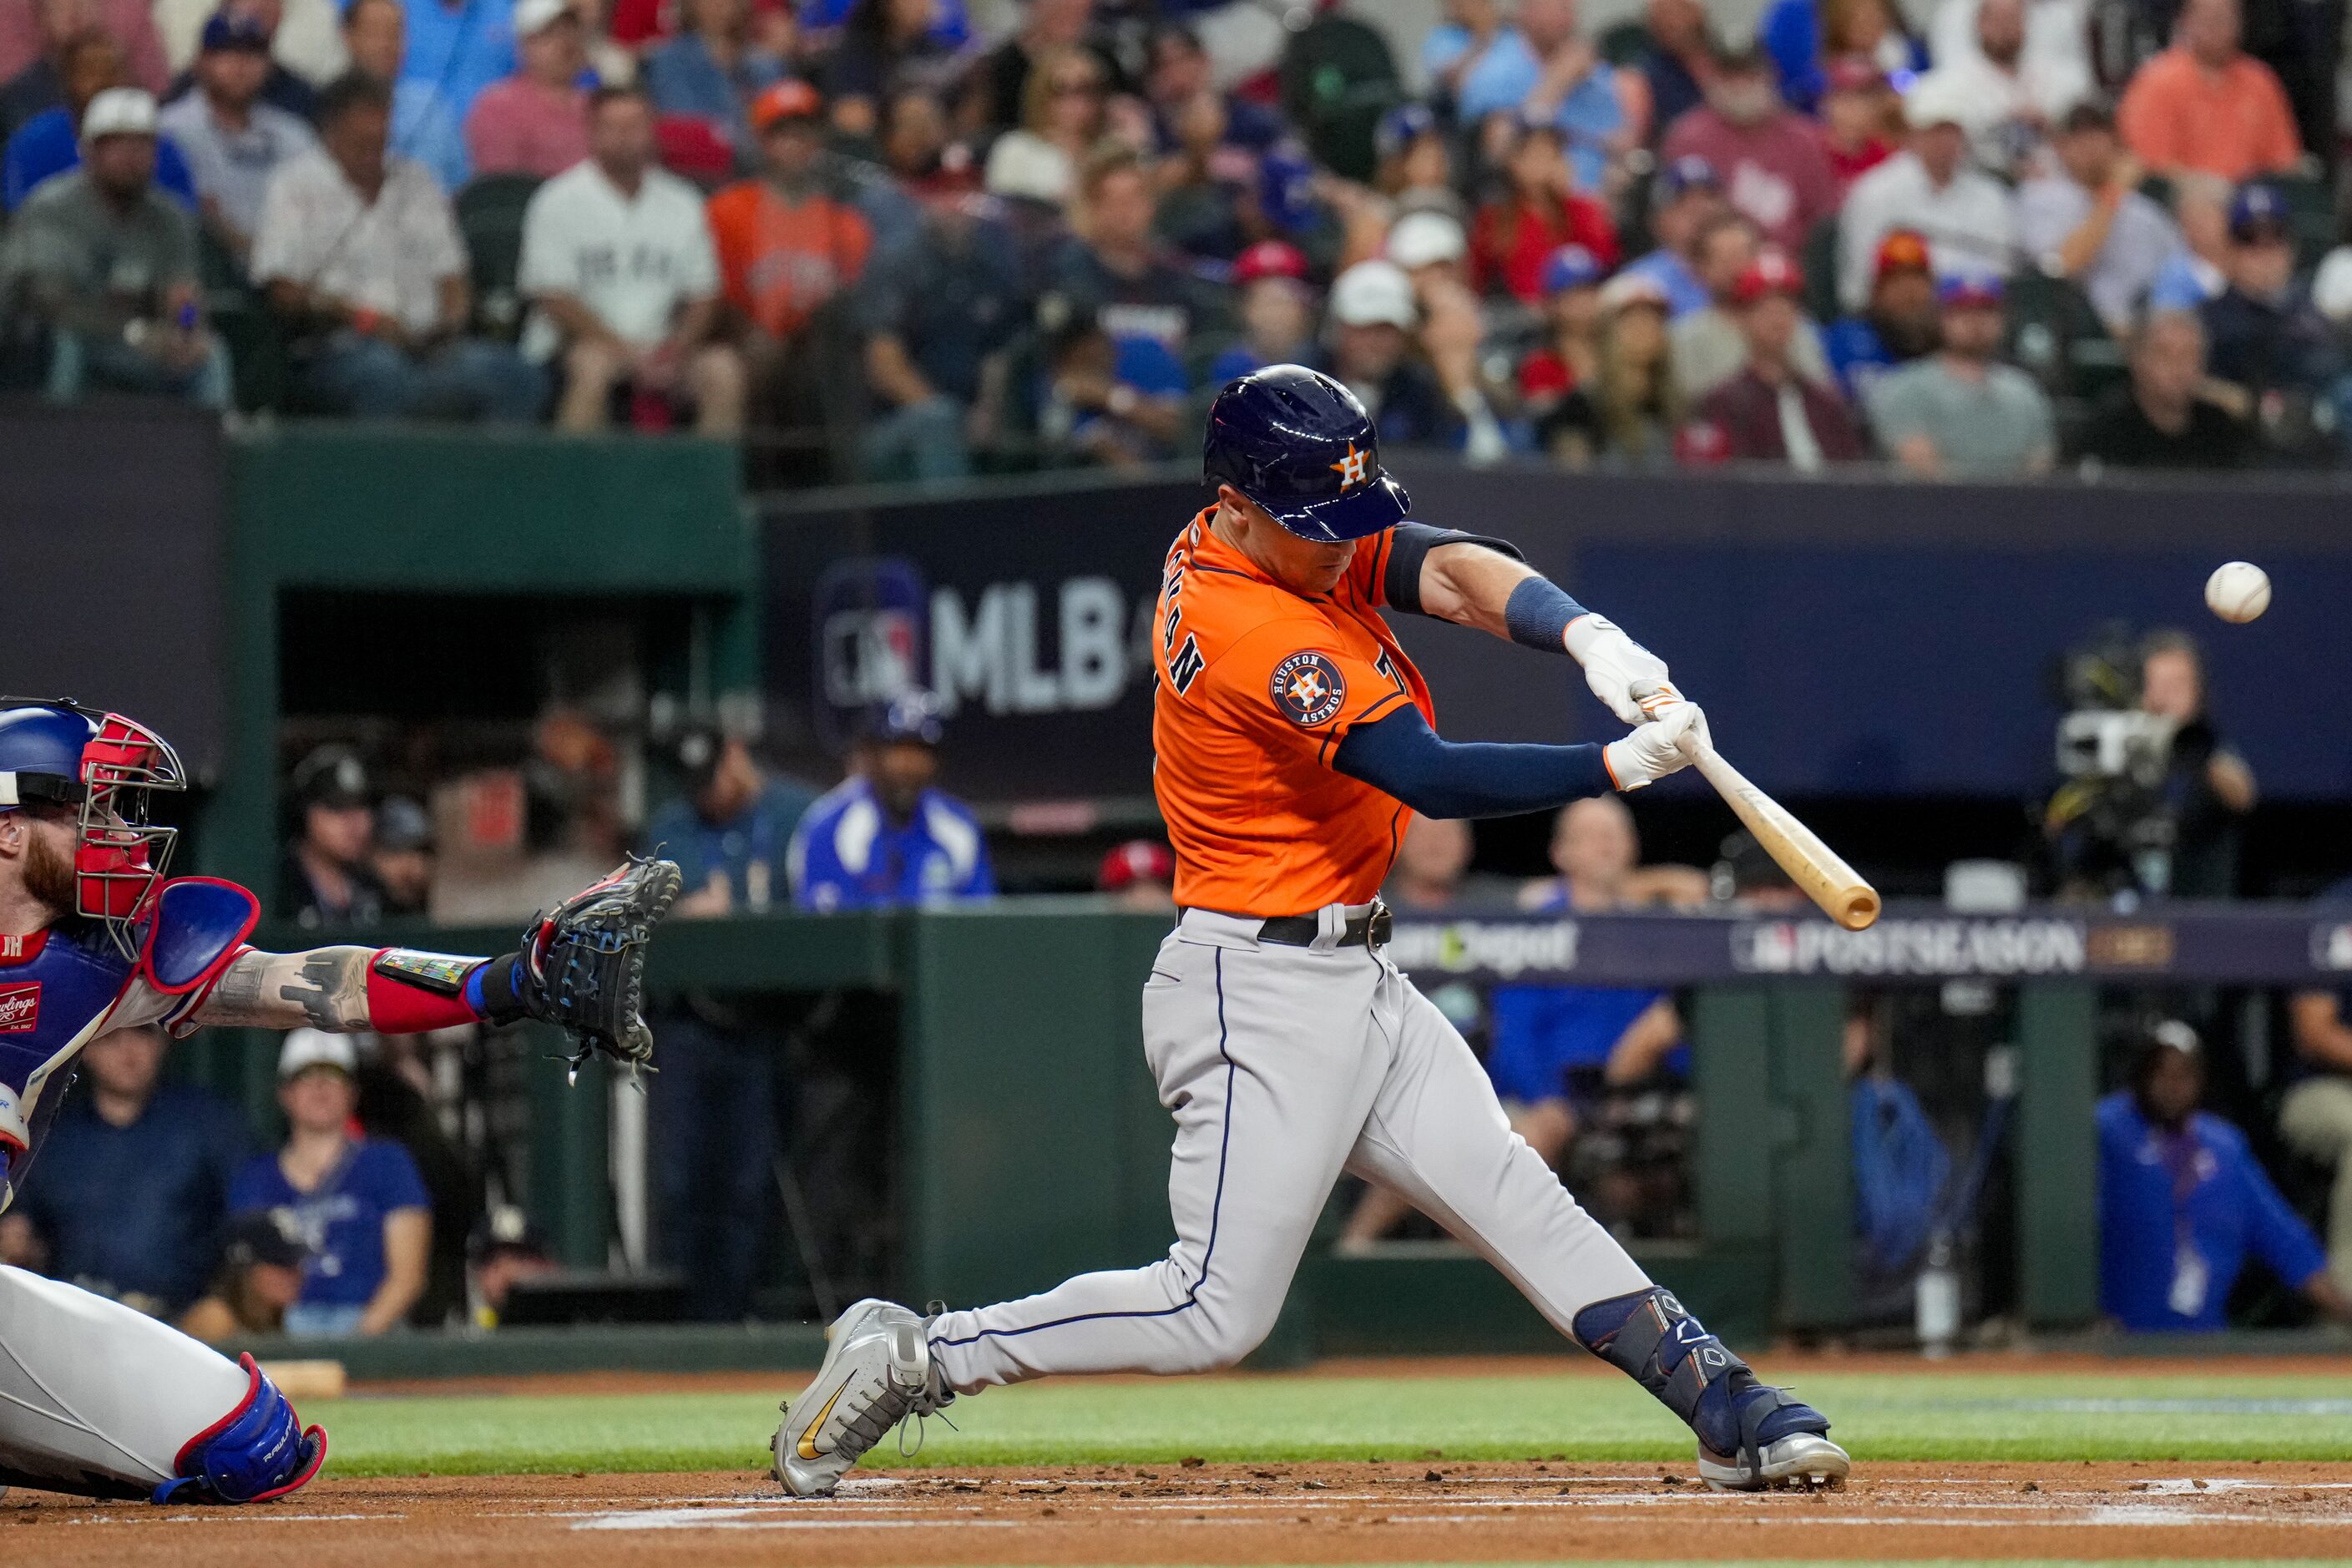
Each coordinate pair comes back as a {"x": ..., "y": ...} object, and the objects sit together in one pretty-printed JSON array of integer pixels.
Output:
[
  {"x": 729, "y": 828},
  {"x": 1675, "y": 54},
  {"x": 425, "y": 126},
  {"x": 130, "y": 1189},
  {"x": 1688, "y": 193},
  {"x": 2315, "y": 1117},
  {"x": 886, "y": 836},
  {"x": 1902, "y": 323},
  {"x": 458, "y": 48},
  {"x": 358, "y": 1205},
  {"x": 711, "y": 70},
  {"x": 49, "y": 142},
  {"x": 1453, "y": 48},
  {"x": 2182, "y": 1201},
  {"x": 1544, "y": 70},
  {"x": 1373, "y": 317},
  {"x": 1551, "y": 1045},
  {"x": 715, "y": 1118}
]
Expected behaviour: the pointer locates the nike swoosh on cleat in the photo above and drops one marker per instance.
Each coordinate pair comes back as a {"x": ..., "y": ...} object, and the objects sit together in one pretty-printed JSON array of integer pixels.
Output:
[{"x": 806, "y": 1448}]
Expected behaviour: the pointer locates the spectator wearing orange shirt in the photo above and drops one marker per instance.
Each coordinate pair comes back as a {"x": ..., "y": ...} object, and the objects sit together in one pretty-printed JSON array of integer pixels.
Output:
[
  {"x": 536, "y": 120},
  {"x": 1516, "y": 233},
  {"x": 787, "y": 250},
  {"x": 785, "y": 247},
  {"x": 2205, "y": 107}
]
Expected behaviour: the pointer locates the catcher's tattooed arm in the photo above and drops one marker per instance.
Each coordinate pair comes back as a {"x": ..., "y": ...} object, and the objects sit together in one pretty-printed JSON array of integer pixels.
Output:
[
  {"x": 325, "y": 988},
  {"x": 581, "y": 967}
]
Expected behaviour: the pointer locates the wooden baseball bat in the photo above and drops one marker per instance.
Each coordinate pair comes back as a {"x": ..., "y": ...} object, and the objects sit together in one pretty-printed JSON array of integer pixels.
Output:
[{"x": 1812, "y": 865}]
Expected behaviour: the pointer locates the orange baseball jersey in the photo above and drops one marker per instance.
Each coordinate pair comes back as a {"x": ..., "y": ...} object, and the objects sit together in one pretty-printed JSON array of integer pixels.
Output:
[{"x": 1257, "y": 686}]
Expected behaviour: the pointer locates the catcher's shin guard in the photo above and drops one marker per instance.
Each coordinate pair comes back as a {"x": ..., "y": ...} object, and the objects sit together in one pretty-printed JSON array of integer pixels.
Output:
[
  {"x": 1751, "y": 1436},
  {"x": 258, "y": 1451},
  {"x": 98, "y": 1400}
]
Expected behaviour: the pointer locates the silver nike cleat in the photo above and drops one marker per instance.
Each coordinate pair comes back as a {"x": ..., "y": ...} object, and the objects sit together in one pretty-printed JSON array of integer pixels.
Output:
[
  {"x": 1802, "y": 1461},
  {"x": 877, "y": 1372}
]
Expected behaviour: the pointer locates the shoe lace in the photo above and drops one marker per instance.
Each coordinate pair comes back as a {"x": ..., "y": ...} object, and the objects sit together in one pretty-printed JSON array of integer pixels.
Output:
[{"x": 932, "y": 1399}]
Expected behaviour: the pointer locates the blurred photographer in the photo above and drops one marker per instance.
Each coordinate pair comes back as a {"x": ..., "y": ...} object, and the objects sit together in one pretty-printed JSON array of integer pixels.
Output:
[{"x": 2154, "y": 800}]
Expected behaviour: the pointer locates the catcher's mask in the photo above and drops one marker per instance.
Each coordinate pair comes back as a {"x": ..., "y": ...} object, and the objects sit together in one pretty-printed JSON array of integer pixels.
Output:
[{"x": 104, "y": 768}]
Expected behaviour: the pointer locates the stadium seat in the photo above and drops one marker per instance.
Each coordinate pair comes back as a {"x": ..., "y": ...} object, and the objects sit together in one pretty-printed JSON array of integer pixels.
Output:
[
  {"x": 1337, "y": 80},
  {"x": 694, "y": 149},
  {"x": 1624, "y": 44},
  {"x": 248, "y": 328},
  {"x": 489, "y": 214},
  {"x": 1818, "y": 262},
  {"x": 2056, "y": 337},
  {"x": 2311, "y": 210}
]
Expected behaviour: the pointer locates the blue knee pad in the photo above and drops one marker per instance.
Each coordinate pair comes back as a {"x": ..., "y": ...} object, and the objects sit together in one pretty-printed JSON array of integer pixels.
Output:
[{"x": 258, "y": 1451}]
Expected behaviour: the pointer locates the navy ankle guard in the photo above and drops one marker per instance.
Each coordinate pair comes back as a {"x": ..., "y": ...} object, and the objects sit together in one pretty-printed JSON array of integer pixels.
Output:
[{"x": 1650, "y": 1338}]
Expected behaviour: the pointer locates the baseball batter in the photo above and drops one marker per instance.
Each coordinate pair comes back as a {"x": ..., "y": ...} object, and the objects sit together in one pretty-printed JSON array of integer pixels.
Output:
[
  {"x": 95, "y": 1398},
  {"x": 1292, "y": 735}
]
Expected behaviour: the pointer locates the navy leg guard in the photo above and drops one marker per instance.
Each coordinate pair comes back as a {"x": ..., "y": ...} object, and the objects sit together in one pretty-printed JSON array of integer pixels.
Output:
[
  {"x": 258, "y": 1451},
  {"x": 1650, "y": 1338}
]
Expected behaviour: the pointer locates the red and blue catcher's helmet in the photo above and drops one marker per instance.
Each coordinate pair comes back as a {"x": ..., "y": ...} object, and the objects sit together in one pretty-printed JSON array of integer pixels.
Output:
[
  {"x": 103, "y": 768},
  {"x": 1298, "y": 444}
]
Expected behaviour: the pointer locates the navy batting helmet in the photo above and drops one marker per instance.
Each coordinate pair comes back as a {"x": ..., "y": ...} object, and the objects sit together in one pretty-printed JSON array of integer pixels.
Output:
[{"x": 1298, "y": 444}]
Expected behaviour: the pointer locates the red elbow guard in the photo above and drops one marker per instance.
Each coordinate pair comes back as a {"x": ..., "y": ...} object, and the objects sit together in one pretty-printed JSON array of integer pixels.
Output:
[{"x": 409, "y": 993}]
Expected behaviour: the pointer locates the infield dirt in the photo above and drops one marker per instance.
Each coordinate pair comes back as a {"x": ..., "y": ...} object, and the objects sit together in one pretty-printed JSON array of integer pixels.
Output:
[{"x": 1417, "y": 1512}]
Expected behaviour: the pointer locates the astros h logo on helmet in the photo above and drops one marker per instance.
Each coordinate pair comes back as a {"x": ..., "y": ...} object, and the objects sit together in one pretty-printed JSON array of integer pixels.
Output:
[{"x": 1351, "y": 467}]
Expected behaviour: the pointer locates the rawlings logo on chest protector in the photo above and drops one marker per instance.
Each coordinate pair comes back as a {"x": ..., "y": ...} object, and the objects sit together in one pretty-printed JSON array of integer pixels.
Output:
[{"x": 20, "y": 1007}]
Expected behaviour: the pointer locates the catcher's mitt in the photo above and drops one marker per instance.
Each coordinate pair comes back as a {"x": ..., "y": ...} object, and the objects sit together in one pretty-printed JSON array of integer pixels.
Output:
[{"x": 582, "y": 965}]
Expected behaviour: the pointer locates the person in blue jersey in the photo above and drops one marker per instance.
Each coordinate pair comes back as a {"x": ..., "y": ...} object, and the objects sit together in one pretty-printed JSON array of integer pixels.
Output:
[
  {"x": 1551, "y": 1044},
  {"x": 886, "y": 834},
  {"x": 359, "y": 1203},
  {"x": 714, "y": 1119},
  {"x": 2183, "y": 1202},
  {"x": 133, "y": 1182}
]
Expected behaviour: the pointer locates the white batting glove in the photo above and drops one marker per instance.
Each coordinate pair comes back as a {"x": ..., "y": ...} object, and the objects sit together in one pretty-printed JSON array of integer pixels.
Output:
[
  {"x": 1614, "y": 664},
  {"x": 1654, "y": 749}
]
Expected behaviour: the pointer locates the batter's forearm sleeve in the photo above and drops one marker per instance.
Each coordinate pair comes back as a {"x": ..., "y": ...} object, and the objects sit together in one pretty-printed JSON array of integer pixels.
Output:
[
  {"x": 1409, "y": 551},
  {"x": 1538, "y": 615},
  {"x": 1402, "y": 756}
]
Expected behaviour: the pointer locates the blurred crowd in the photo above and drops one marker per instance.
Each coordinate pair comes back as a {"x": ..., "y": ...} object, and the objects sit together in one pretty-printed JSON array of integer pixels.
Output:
[{"x": 918, "y": 238}]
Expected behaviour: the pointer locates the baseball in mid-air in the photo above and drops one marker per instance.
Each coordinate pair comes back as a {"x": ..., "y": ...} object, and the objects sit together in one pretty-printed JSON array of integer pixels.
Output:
[{"x": 2238, "y": 591}]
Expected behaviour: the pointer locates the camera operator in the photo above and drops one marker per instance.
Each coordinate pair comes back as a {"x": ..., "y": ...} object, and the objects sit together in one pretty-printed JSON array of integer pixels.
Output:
[{"x": 2154, "y": 800}]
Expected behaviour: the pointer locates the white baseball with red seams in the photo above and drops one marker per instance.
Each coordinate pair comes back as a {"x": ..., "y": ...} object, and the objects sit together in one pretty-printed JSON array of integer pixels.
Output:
[{"x": 2238, "y": 591}]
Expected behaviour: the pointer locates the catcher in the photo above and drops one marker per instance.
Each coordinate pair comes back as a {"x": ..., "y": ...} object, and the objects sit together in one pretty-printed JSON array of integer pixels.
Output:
[{"x": 94, "y": 1398}]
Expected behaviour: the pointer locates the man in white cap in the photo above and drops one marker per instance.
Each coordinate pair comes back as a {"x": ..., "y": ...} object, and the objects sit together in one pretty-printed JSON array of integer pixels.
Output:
[
  {"x": 109, "y": 263},
  {"x": 536, "y": 120},
  {"x": 1429, "y": 245},
  {"x": 359, "y": 1204},
  {"x": 1929, "y": 186},
  {"x": 1374, "y": 321}
]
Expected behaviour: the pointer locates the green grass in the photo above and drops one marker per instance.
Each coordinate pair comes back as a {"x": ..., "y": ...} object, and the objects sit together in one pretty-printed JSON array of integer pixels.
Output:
[{"x": 1949, "y": 1417}]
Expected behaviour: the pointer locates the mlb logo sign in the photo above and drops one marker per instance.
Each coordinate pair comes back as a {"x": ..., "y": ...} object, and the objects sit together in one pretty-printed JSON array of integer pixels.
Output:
[
  {"x": 20, "y": 1007},
  {"x": 1769, "y": 949}
]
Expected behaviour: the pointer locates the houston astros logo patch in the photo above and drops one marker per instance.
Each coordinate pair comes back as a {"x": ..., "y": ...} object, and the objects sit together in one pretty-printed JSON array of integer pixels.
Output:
[
  {"x": 1308, "y": 688},
  {"x": 1351, "y": 467}
]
